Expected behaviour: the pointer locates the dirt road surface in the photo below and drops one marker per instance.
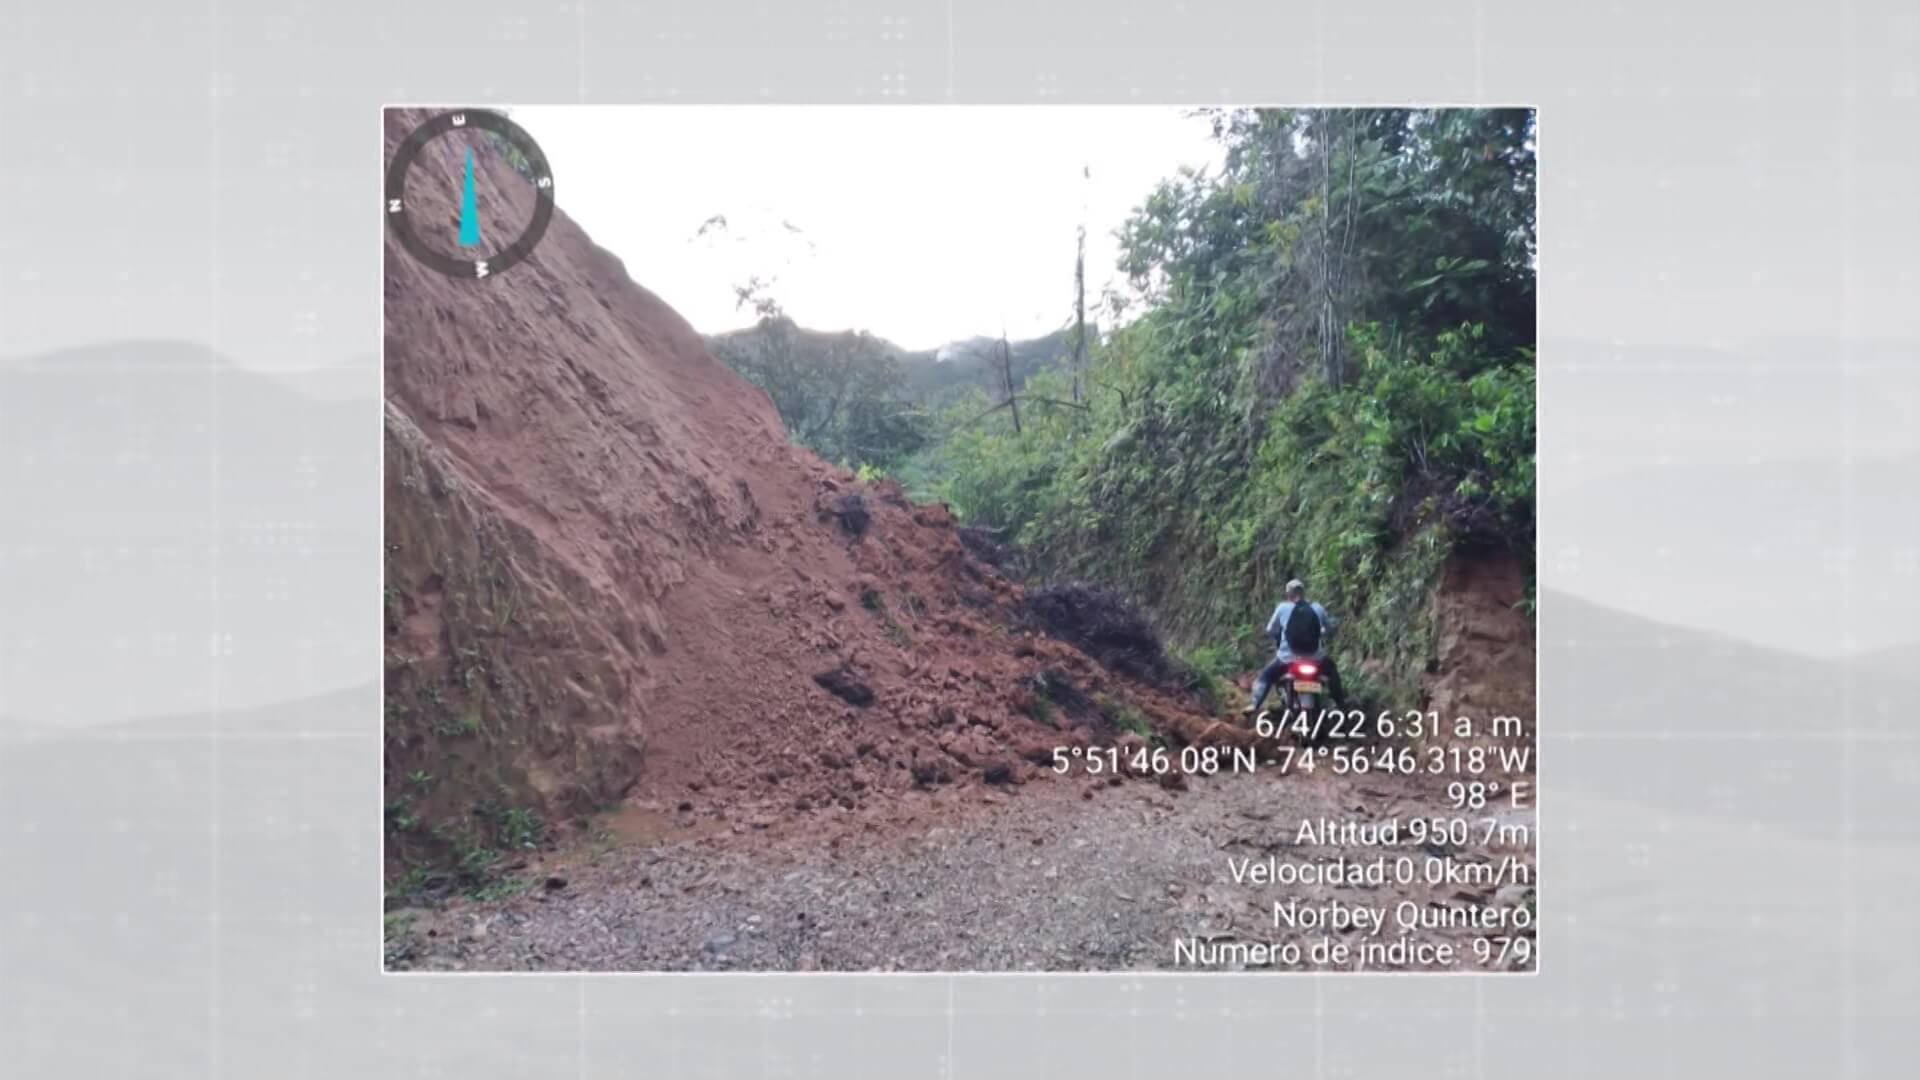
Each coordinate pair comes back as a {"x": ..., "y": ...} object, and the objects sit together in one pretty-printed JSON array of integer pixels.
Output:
[{"x": 1069, "y": 873}]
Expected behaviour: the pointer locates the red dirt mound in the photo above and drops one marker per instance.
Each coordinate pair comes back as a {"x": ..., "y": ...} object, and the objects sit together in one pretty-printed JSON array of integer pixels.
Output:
[
  {"x": 1485, "y": 653},
  {"x": 609, "y": 573}
]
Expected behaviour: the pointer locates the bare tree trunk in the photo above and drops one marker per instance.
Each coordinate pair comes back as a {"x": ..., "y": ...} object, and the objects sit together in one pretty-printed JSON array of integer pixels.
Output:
[
  {"x": 1080, "y": 312},
  {"x": 1080, "y": 289},
  {"x": 1329, "y": 272},
  {"x": 1006, "y": 376}
]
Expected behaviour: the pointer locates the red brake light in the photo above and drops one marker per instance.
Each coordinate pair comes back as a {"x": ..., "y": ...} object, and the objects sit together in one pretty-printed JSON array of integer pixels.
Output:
[{"x": 1308, "y": 669}]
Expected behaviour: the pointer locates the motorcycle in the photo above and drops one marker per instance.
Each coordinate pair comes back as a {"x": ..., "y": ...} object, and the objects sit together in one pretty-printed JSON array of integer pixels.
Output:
[{"x": 1302, "y": 691}]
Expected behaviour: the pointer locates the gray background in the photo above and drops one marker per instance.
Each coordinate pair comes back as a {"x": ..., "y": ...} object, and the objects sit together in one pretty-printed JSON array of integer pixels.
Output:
[{"x": 189, "y": 539}]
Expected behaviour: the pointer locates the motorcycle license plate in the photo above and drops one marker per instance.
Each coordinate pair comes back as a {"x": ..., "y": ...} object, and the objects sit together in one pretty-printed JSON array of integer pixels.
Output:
[{"x": 1306, "y": 688}]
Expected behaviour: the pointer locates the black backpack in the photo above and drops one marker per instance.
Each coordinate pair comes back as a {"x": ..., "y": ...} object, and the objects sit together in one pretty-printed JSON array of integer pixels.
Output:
[{"x": 1302, "y": 631}]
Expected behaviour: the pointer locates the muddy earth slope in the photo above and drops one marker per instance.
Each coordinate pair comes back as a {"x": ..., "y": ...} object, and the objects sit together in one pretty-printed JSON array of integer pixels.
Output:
[{"x": 609, "y": 576}]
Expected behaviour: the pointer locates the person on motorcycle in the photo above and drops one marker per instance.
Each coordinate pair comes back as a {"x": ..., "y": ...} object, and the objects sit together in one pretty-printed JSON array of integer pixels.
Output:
[{"x": 1292, "y": 623}]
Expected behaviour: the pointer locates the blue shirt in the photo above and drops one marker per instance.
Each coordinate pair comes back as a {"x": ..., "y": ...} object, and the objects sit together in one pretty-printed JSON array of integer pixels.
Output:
[{"x": 1276, "y": 628}]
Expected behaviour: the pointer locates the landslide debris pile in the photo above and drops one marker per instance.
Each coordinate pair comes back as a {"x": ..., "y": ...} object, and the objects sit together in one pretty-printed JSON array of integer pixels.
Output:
[
  {"x": 1103, "y": 625},
  {"x": 609, "y": 574}
]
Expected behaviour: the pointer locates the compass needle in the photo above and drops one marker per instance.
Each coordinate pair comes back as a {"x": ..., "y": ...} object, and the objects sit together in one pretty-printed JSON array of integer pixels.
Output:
[{"x": 469, "y": 214}]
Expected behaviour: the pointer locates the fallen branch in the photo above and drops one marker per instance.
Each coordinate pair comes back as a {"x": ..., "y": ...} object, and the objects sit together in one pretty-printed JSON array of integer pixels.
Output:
[
  {"x": 982, "y": 416},
  {"x": 1056, "y": 401}
]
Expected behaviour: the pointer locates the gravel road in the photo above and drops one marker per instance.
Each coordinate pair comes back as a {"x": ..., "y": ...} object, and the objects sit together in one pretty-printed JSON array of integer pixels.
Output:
[{"x": 1072, "y": 873}]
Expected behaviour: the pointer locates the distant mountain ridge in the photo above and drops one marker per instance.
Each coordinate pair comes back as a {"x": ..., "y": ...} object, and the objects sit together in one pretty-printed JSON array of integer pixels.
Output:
[
  {"x": 1726, "y": 545},
  {"x": 358, "y": 380},
  {"x": 934, "y": 375},
  {"x": 176, "y": 524}
]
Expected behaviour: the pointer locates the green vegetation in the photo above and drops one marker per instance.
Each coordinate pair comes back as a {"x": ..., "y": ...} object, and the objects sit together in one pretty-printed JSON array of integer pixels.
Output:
[
  {"x": 518, "y": 828},
  {"x": 1332, "y": 378},
  {"x": 865, "y": 403},
  {"x": 1210, "y": 667},
  {"x": 1125, "y": 716},
  {"x": 1324, "y": 370},
  {"x": 469, "y": 861},
  {"x": 843, "y": 395}
]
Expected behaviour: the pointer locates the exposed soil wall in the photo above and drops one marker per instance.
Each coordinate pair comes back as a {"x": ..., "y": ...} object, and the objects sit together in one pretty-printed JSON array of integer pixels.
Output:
[{"x": 1484, "y": 643}]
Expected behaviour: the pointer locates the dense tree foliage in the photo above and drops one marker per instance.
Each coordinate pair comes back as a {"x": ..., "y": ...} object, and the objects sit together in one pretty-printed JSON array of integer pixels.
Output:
[
  {"x": 865, "y": 403},
  {"x": 843, "y": 395},
  {"x": 1331, "y": 378}
]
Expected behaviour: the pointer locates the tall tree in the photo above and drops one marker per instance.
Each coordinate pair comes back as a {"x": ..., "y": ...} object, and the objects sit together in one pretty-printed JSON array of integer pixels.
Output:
[{"x": 1080, "y": 290}]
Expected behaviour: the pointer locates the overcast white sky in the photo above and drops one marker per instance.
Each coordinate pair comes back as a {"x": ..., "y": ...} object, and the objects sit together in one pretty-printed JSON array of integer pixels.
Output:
[{"x": 923, "y": 225}]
